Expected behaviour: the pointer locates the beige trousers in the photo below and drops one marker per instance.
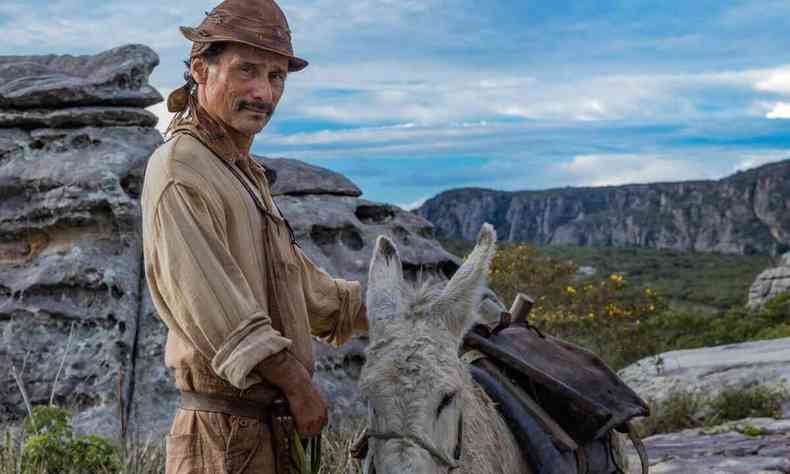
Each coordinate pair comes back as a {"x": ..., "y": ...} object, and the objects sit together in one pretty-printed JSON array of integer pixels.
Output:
[{"x": 203, "y": 442}]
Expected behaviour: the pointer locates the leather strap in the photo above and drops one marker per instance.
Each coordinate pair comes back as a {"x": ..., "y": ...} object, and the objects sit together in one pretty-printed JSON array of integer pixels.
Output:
[
  {"x": 237, "y": 173},
  {"x": 229, "y": 406},
  {"x": 639, "y": 447}
]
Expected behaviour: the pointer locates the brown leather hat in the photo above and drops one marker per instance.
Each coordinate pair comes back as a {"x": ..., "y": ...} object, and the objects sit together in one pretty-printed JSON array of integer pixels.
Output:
[{"x": 258, "y": 23}]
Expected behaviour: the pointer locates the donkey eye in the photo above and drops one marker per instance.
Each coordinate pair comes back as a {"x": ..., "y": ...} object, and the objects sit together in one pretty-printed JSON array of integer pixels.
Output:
[{"x": 446, "y": 401}]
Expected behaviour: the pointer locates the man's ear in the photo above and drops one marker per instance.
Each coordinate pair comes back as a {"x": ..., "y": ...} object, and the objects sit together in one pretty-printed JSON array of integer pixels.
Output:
[{"x": 199, "y": 70}]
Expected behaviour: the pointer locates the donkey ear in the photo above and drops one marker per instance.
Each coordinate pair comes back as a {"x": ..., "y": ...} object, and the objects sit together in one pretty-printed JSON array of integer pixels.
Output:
[
  {"x": 459, "y": 301},
  {"x": 385, "y": 280}
]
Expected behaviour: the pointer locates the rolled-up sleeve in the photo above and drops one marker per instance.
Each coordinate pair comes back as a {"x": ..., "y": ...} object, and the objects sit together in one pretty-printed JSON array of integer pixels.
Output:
[
  {"x": 209, "y": 301},
  {"x": 332, "y": 303}
]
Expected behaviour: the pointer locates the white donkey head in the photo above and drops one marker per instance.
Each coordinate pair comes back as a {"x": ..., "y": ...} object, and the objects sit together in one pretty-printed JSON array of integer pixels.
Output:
[{"x": 421, "y": 405}]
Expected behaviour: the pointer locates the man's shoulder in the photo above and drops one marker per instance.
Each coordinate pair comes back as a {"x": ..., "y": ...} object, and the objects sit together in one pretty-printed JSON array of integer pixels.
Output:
[
  {"x": 179, "y": 154},
  {"x": 181, "y": 159}
]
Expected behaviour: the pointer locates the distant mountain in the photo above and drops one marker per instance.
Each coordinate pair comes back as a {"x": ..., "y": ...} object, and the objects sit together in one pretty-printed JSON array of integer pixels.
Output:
[{"x": 746, "y": 213}]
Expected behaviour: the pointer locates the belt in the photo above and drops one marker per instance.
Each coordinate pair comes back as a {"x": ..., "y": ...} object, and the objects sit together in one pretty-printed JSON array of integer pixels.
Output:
[{"x": 229, "y": 406}]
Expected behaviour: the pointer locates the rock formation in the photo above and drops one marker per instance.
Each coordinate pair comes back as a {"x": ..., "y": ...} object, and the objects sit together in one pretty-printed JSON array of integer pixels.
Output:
[
  {"x": 746, "y": 213},
  {"x": 74, "y": 141},
  {"x": 747, "y": 446},
  {"x": 709, "y": 369},
  {"x": 770, "y": 283}
]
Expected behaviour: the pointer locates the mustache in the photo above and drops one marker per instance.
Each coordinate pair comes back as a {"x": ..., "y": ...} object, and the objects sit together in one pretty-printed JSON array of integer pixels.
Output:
[{"x": 256, "y": 106}]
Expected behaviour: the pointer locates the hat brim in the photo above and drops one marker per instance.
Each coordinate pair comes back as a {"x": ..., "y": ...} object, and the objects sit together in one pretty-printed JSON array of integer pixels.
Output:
[{"x": 295, "y": 64}]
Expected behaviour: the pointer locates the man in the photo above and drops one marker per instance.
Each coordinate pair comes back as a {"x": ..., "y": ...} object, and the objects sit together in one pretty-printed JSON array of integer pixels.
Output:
[{"x": 239, "y": 297}]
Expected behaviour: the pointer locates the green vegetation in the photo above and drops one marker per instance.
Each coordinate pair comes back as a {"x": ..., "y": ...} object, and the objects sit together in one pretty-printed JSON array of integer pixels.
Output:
[
  {"x": 49, "y": 445},
  {"x": 739, "y": 403},
  {"x": 687, "y": 280},
  {"x": 679, "y": 412},
  {"x": 684, "y": 410},
  {"x": 676, "y": 329},
  {"x": 55, "y": 449},
  {"x": 601, "y": 314},
  {"x": 639, "y": 302}
]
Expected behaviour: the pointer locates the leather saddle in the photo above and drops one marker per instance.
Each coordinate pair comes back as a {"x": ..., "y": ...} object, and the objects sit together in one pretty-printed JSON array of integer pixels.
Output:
[{"x": 560, "y": 400}]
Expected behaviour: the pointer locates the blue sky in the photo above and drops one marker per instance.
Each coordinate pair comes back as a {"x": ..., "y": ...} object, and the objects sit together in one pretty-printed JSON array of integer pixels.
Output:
[{"x": 412, "y": 97}]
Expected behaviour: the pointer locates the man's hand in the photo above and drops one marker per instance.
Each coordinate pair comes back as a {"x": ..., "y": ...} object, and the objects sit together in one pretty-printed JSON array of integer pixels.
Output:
[{"x": 308, "y": 407}]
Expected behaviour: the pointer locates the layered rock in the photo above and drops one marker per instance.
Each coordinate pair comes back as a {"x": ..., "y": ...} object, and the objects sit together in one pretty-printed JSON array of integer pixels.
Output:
[
  {"x": 756, "y": 445},
  {"x": 117, "y": 77},
  {"x": 748, "y": 446},
  {"x": 709, "y": 369},
  {"x": 74, "y": 141},
  {"x": 770, "y": 283},
  {"x": 746, "y": 213}
]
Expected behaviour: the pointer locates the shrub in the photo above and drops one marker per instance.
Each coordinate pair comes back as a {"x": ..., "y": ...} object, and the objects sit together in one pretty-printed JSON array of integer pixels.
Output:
[
  {"x": 734, "y": 403},
  {"x": 600, "y": 313},
  {"x": 50, "y": 446},
  {"x": 685, "y": 409},
  {"x": 681, "y": 410}
]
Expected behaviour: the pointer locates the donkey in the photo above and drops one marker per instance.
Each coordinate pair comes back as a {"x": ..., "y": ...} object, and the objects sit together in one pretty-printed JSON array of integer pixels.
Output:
[{"x": 425, "y": 413}]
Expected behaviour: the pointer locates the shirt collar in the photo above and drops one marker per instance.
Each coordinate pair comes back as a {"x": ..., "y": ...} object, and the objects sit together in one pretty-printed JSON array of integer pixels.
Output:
[{"x": 215, "y": 136}]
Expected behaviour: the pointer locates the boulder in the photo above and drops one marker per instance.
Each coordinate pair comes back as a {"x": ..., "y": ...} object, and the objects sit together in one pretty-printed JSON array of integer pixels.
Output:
[
  {"x": 297, "y": 178},
  {"x": 339, "y": 233},
  {"x": 770, "y": 283},
  {"x": 118, "y": 77},
  {"x": 709, "y": 369}
]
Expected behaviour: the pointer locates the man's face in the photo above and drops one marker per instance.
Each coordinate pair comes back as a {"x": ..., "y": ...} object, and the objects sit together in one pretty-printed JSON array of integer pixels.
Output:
[{"x": 243, "y": 86}]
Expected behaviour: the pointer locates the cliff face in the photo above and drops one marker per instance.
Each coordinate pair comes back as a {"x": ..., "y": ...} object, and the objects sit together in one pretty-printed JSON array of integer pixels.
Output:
[{"x": 746, "y": 213}]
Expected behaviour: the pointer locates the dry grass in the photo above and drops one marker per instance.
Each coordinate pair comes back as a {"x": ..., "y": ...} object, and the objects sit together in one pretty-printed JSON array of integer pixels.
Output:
[{"x": 148, "y": 457}]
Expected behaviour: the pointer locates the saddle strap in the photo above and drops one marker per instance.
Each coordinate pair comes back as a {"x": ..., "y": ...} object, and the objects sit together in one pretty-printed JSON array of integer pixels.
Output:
[
  {"x": 639, "y": 447},
  {"x": 261, "y": 207}
]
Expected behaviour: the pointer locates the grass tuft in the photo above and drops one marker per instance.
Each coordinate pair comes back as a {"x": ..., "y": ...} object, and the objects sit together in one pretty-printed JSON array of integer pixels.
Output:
[{"x": 686, "y": 409}]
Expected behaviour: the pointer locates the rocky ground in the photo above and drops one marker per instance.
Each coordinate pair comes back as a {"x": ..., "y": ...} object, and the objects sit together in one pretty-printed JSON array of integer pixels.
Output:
[{"x": 748, "y": 446}]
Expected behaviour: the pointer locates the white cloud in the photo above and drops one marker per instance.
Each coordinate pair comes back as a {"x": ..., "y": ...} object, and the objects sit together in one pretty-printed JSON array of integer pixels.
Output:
[
  {"x": 753, "y": 161},
  {"x": 774, "y": 80},
  {"x": 401, "y": 133},
  {"x": 414, "y": 204},
  {"x": 780, "y": 110},
  {"x": 611, "y": 170},
  {"x": 432, "y": 93}
]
